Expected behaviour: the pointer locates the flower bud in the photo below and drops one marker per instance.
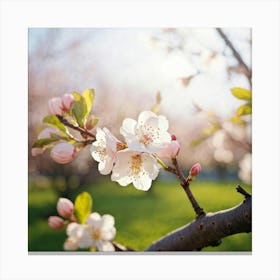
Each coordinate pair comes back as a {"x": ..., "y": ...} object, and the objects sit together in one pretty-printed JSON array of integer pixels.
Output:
[
  {"x": 67, "y": 101},
  {"x": 170, "y": 151},
  {"x": 65, "y": 207},
  {"x": 55, "y": 106},
  {"x": 63, "y": 153},
  {"x": 46, "y": 133},
  {"x": 36, "y": 151},
  {"x": 195, "y": 170},
  {"x": 55, "y": 222},
  {"x": 89, "y": 123},
  {"x": 173, "y": 137}
]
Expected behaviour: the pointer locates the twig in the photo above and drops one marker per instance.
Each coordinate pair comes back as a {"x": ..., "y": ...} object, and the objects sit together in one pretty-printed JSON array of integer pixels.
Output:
[
  {"x": 185, "y": 184},
  {"x": 247, "y": 71},
  {"x": 242, "y": 191},
  {"x": 81, "y": 130}
]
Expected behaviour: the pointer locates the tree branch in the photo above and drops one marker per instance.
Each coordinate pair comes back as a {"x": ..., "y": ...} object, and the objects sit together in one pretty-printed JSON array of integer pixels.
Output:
[
  {"x": 207, "y": 230},
  {"x": 247, "y": 71}
]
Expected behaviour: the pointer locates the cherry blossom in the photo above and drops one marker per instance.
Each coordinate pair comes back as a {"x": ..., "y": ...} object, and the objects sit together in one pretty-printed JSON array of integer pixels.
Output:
[
  {"x": 134, "y": 167},
  {"x": 104, "y": 150},
  {"x": 101, "y": 231},
  {"x": 148, "y": 135}
]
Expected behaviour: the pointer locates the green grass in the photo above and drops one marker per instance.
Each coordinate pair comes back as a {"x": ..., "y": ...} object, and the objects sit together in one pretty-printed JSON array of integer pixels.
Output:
[{"x": 141, "y": 217}]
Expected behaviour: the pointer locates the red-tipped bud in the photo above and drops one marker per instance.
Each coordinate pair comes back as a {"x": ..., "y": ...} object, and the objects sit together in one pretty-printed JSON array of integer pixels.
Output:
[
  {"x": 195, "y": 170},
  {"x": 55, "y": 222},
  {"x": 55, "y": 106},
  {"x": 90, "y": 122},
  {"x": 173, "y": 137},
  {"x": 67, "y": 101},
  {"x": 63, "y": 153},
  {"x": 65, "y": 207}
]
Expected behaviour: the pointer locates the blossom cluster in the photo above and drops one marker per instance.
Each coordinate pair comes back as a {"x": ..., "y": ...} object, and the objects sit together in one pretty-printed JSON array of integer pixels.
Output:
[
  {"x": 97, "y": 231},
  {"x": 137, "y": 160}
]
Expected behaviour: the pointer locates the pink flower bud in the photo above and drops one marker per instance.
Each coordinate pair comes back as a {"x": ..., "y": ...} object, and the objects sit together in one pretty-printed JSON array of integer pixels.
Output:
[
  {"x": 67, "y": 102},
  {"x": 55, "y": 106},
  {"x": 195, "y": 170},
  {"x": 46, "y": 133},
  {"x": 36, "y": 151},
  {"x": 55, "y": 222},
  {"x": 170, "y": 151},
  {"x": 173, "y": 137},
  {"x": 63, "y": 153},
  {"x": 65, "y": 207}
]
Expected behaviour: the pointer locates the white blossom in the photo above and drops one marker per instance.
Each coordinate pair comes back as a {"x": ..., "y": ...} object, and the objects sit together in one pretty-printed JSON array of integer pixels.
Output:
[
  {"x": 104, "y": 149},
  {"x": 78, "y": 237},
  {"x": 101, "y": 231},
  {"x": 134, "y": 167},
  {"x": 148, "y": 135}
]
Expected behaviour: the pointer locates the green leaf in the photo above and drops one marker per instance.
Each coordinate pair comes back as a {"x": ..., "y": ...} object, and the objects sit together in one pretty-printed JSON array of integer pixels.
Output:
[
  {"x": 43, "y": 142},
  {"x": 83, "y": 206},
  {"x": 79, "y": 111},
  {"x": 155, "y": 109},
  {"x": 77, "y": 96},
  {"x": 242, "y": 93},
  {"x": 244, "y": 110},
  {"x": 55, "y": 122},
  {"x": 237, "y": 120},
  {"x": 93, "y": 122},
  {"x": 88, "y": 95}
]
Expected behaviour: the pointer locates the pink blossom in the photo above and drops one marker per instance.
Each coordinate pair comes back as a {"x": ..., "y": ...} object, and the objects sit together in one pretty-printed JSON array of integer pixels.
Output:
[
  {"x": 63, "y": 153},
  {"x": 55, "y": 222},
  {"x": 67, "y": 101},
  {"x": 65, "y": 207},
  {"x": 170, "y": 151},
  {"x": 36, "y": 151},
  {"x": 55, "y": 106},
  {"x": 195, "y": 170}
]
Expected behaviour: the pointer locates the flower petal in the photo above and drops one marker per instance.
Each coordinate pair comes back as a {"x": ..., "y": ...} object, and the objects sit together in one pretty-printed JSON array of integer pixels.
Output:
[
  {"x": 143, "y": 183},
  {"x": 150, "y": 166},
  {"x": 105, "y": 167},
  {"x": 108, "y": 221},
  {"x": 144, "y": 116},
  {"x": 108, "y": 234},
  {"x": 94, "y": 220},
  {"x": 128, "y": 127},
  {"x": 105, "y": 246}
]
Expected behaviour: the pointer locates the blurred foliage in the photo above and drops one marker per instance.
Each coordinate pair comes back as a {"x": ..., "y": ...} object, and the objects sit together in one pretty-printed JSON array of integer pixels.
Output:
[{"x": 141, "y": 217}]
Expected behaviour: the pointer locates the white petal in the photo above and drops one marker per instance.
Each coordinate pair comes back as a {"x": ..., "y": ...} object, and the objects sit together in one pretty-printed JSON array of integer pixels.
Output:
[
  {"x": 111, "y": 140},
  {"x": 105, "y": 246},
  {"x": 150, "y": 165},
  {"x": 72, "y": 229},
  {"x": 120, "y": 172},
  {"x": 95, "y": 151},
  {"x": 163, "y": 123},
  {"x": 100, "y": 134},
  {"x": 108, "y": 234},
  {"x": 144, "y": 116},
  {"x": 70, "y": 244},
  {"x": 94, "y": 220},
  {"x": 108, "y": 221},
  {"x": 128, "y": 127},
  {"x": 105, "y": 167},
  {"x": 143, "y": 183}
]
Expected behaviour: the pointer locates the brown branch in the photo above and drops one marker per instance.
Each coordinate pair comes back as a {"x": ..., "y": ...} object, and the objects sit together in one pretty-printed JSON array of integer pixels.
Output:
[
  {"x": 208, "y": 230},
  {"x": 81, "y": 130},
  {"x": 247, "y": 71},
  {"x": 185, "y": 185}
]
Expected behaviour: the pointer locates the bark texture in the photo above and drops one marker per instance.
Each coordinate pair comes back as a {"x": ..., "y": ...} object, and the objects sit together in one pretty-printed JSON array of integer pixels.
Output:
[{"x": 208, "y": 230}]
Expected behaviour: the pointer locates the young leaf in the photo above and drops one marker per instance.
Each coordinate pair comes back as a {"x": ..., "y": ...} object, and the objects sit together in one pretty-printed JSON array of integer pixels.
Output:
[
  {"x": 43, "y": 142},
  {"x": 244, "y": 110},
  {"x": 83, "y": 206},
  {"x": 79, "y": 111},
  {"x": 237, "y": 120},
  {"x": 55, "y": 122},
  {"x": 242, "y": 93},
  {"x": 88, "y": 95}
]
